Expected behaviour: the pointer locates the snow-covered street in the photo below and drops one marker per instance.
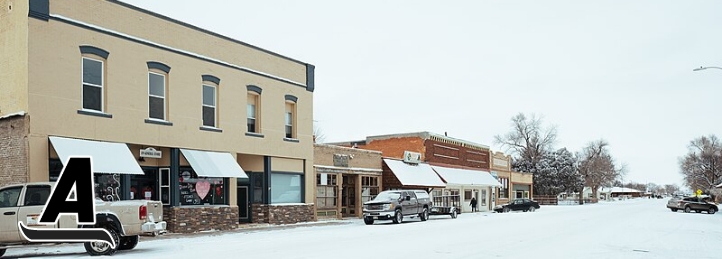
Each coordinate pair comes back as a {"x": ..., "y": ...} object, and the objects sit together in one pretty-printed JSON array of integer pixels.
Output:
[{"x": 641, "y": 228}]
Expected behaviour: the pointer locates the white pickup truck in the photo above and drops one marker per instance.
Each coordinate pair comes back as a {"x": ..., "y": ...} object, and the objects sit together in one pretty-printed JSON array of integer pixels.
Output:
[{"x": 125, "y": 220}]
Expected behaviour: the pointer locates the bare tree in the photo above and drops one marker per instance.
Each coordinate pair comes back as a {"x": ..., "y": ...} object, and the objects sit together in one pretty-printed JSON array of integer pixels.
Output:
[
  {"x": 318, "y": 135},
  {"x": 528, "y": 139},
  {"x": 598, "y": 167},
  {"x": 702, "y": 166},
  {"x": 671, "y": 188}
]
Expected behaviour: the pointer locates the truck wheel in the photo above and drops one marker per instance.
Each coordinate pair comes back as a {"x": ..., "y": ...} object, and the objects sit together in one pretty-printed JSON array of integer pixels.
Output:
[
  {"x": 128, "y": 243},
  {"x": 102, "y": 248},
  {"x": 398, "y": 217},
  {"x": 369, "y": 220},
  {"x": 687, "y": 209},
  {"x": 454, "y": 214},
  {"x": 425, "y": 214}
]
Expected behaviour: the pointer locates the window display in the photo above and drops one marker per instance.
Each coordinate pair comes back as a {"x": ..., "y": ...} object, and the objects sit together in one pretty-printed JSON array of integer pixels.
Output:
[{"x": 196, "y": 190}]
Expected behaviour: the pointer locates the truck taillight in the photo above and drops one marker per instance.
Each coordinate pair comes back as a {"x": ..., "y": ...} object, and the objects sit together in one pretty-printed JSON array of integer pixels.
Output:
[{"x": 143, "y": 212}]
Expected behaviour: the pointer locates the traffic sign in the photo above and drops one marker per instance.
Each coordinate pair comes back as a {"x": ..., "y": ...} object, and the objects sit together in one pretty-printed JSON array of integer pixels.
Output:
[{"x": 699, "y": 192}]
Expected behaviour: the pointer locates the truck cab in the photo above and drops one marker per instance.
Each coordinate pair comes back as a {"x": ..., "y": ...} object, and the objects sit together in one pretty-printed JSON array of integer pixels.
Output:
[{"x": 396, "y": 204}]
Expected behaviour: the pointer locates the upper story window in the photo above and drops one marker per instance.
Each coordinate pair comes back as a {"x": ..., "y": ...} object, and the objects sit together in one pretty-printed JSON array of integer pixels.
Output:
[
  {"x": 253, "y": 109},
  {"x": 93, "y": 81},
  {"x": 157, "y": 91},
  {"x": 210, "y": 101},
  {"x": 290, "y": 116}
]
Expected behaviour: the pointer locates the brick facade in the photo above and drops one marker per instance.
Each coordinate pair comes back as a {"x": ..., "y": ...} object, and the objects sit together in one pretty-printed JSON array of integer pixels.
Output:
[
  {"x": 395, "y": 147},
  {"x": 452, "y": 154},
  {"x": 14, "y": 152},
  {"x": 283, "y": 214},
  {"x": 196, "y": 219}
]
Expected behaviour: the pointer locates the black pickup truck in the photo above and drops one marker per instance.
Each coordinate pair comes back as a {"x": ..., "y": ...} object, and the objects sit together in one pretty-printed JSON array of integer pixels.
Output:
[{"x": 396, "y": 204}]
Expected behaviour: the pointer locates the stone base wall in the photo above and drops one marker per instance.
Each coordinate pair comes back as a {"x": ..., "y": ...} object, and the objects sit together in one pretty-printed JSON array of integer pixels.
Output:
[
  {"x": 196, "y": 219},
  {"x": 14, "y": 150},
  {"x": 283, "y": 214}
]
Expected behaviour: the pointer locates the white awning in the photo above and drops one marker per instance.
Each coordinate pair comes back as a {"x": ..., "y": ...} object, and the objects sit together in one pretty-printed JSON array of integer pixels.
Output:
[
  {"x": 107, "y": 157},
  {"x": 414, "y": 175},
  {"x": 466, "y": 176},
  {"x": 213, "y": 164}
]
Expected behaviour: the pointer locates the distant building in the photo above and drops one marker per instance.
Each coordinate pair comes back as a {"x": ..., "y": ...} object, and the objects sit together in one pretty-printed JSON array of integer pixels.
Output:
[{"x": 419, "y": 159}]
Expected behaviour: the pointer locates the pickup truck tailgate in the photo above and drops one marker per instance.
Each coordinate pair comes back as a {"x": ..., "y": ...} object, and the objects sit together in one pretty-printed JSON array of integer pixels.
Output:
[{"x": 155, "y": 210}]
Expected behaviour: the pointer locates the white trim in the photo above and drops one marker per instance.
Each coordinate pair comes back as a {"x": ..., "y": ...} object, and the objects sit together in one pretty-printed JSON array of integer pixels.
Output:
[
  {"x": 20, "y": 113},
  {"x": 449, "y": 157},
  {"x": 60, "y": 17}
]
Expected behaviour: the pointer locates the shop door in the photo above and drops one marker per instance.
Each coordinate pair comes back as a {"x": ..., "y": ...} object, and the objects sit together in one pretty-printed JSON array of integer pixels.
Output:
[
  {"x": 242, "y": 202},
  {"x": 348, "y": 196}
]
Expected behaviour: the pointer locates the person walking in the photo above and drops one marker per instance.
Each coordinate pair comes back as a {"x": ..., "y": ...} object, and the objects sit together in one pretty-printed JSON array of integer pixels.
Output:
[{"x": 473, "y": 205}]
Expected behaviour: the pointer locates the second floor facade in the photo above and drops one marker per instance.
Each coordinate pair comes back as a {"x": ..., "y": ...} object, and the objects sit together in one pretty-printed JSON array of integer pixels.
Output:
[{"x": 106, "y": 70}]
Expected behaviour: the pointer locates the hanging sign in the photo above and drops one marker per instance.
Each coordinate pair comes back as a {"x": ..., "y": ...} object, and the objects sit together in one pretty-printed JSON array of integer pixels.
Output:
[{"x": 150, "y": 153}]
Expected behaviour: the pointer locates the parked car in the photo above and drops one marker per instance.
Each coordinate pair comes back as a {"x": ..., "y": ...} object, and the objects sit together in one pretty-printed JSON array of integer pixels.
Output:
[
  {"x": 518, "y": 204},
  {"x": 397, "y": 204},
  {"x": 125, "y": 220},
  {"x": 693, "y": 203}
]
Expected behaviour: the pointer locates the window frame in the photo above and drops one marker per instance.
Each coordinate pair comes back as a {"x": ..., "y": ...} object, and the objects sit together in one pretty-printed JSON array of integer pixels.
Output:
[
  {"x": 290, "y": 108},
  {"x": 256, "y": 112},
  {"x": 214, "y": 106},
  {"x": 83, "y": 83},
  {"x": 164, "y": 97}
]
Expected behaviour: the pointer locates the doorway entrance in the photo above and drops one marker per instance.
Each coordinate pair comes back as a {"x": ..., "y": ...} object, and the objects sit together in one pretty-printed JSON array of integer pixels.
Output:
[
  {"x": 348, "y": 196},
  {"x": 243, "y": 205}
]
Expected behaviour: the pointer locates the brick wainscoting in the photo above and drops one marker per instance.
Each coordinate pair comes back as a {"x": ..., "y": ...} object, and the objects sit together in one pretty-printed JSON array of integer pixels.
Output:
[
  {"x": 14, "y": 150},
  {"x": 283, "y": 214},
  {"x": 195, "y": 219}
]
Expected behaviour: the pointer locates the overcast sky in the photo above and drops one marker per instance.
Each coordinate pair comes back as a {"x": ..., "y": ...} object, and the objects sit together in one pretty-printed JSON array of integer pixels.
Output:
[{"x": 617, "y": 70}]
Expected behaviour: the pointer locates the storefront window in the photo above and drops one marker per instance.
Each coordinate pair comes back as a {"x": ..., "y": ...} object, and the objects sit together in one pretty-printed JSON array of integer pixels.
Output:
[
  {"x": 143, "y": 187},
  {"x": 257, "y": 185},
  {"x": 369, "y": 188},
  {"x": 196, "y": 190},
  {"x": 107, "y": 187},
  {"x": 504, "y": 189},
  {"x": 483, "y": 198},
  {"x": 326, "y": 190},
  {"x": 467, "y": 195},
  {"x": 286, "y": 188}
]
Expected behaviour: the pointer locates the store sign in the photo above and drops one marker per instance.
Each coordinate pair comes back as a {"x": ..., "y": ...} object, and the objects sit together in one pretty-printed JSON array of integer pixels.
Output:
[
  {"x": 340, "y": 160},
  {"x": 412, "y": 157},
  {"x": 151, "y": 153}
]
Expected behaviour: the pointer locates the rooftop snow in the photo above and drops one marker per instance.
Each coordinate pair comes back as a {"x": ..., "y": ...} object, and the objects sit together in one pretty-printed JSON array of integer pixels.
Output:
[
  {"x": 465, "y": 176},
  {"x": 414, "y": 175}
]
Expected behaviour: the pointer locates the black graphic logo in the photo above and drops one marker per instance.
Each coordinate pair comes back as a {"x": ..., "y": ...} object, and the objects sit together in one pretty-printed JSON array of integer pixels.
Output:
[{"x": 73, "y": 195}]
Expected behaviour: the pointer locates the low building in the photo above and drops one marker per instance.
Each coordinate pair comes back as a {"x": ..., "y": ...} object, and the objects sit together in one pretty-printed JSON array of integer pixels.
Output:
[
  {"x": 607, "y": 193},
  {"x": 345, "y": 179},
  {"x": 514, "y": 185},
  {"x": 469, "y": 183},
  {"x": 426, "y": 148}
]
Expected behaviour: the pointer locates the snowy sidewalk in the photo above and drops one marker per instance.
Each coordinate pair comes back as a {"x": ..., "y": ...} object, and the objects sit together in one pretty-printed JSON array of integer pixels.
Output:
[{"x": 254, "y": 227}]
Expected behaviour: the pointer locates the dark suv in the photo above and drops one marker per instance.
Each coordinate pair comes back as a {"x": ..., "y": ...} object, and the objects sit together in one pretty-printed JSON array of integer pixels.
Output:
[{"x": 689, "y": 204}]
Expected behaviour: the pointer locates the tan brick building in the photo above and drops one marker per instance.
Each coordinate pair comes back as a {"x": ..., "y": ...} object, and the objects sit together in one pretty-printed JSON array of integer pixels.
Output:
[
  {"x": 345, "y": 179},
  {"x": 218, "y": 130},
  {"x": 513, "y": 184}
]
